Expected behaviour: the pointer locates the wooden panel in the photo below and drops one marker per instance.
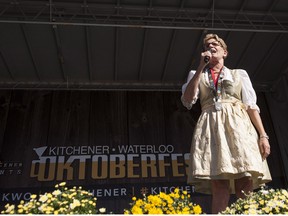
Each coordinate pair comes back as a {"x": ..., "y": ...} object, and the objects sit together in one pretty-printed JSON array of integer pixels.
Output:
[
  {"x": 107, "y": 119},
  {"x": 25, "y": 128},
  {"x": 5, "y": 97},
  {"x": 69, "y": 118},
  {"x": 146, "y": 118}
]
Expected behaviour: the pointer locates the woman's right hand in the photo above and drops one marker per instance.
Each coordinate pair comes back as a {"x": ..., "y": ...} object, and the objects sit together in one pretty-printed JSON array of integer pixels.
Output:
[{"x": 206, "y": 54}]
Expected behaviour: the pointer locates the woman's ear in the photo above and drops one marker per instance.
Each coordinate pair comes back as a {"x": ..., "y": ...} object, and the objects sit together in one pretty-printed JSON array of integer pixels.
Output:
[{"x": 225, "y": 54}]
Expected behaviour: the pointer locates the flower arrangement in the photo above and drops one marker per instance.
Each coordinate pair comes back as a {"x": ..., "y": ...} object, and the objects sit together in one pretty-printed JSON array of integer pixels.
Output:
[
  {"x": 176, "y": 202},
  {"x": 261, "y": 202},
  {"x": 61, "y": 201}
]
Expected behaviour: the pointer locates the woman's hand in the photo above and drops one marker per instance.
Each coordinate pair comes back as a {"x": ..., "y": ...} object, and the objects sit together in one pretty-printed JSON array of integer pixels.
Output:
[
  {"x": 206, "y": 54},
  {"x": 264, "y": 147}
]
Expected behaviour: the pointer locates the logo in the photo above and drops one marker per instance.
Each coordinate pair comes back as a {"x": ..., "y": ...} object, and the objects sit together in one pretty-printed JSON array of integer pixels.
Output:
[{"x": 103, "y": 162}]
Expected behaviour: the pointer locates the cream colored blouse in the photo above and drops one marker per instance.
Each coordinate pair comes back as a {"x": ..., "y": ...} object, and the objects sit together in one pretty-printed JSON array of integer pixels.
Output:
[{"x": 249, "y": 97}]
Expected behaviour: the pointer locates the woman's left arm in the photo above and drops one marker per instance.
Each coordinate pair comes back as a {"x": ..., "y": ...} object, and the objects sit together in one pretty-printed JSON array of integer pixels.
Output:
[{"x": 263, "y": 138}]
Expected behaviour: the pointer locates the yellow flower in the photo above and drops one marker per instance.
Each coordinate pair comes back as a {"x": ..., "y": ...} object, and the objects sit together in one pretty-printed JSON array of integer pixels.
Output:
[
  {"x": 186, "y": 209},
  {"x": 43, "y": 198},
  {"x": 136, "y": 210},
  {"x": 155, "y": 200},
  {"x": 174, "y": 203},
  {"x": 261, "y": 202},
  {"x": 285, "y": 193},
  {"x": 252, "y": 211},
  {"x": 139, "y": 202},
  {"x": 46, "y": 203},
  {"x": 42, "y": 208},
  {"x": 197, "y": 209},
  {"x": 176, "y": 196},
  {"x": 56, "y": 192},
  {"x": 75, "y": 204},
  {"x": 62, "y": 184},
  {"x": 33, "y": 196},
  {"x": 155, "y": 211},
  {"x": 102, "y": 210}
]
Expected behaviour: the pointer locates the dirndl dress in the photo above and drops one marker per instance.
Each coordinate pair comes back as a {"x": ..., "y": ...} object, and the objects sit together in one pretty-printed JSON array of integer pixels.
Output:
[{"x": 225, "y": 142}]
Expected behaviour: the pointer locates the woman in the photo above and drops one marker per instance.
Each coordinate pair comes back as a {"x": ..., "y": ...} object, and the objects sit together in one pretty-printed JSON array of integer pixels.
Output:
[{"x": 225, "y": 157}]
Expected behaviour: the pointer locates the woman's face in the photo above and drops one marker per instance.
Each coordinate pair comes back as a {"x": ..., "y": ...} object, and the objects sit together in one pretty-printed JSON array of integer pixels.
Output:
[{"x": 215, "y": 48}]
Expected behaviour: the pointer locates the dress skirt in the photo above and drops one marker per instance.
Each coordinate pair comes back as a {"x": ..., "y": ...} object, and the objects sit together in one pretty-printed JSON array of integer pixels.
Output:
[{"x": 225, "y": 146}]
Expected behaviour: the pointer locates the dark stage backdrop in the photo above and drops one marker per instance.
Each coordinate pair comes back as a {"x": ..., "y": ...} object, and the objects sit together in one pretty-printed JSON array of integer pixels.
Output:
[{"x": 117, "y": 144}]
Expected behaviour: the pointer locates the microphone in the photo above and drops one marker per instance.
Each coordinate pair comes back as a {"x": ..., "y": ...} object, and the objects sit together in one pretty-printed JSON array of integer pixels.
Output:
[{"x": 207, "y": 58}]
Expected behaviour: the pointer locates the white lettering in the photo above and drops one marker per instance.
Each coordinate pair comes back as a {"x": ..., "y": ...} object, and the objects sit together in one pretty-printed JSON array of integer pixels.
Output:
[
  {"x": 109, "y": 192},
  {"x": 5, "y": 197},
  {"x": 78, "y": 150},
  {"x": 145, "y": 149}
]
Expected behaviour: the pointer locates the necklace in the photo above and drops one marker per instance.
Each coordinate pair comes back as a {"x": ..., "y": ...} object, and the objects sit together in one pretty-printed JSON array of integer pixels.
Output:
[{"x": 217, "y": 89}]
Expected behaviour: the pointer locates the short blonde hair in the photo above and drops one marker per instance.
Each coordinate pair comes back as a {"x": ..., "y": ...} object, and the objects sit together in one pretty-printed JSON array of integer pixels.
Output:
[{"x": 217, "y": 38}]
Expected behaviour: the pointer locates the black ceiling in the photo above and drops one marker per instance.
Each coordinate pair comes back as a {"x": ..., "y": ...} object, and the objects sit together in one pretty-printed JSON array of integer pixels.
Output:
[{"x": 136, "y": 44}]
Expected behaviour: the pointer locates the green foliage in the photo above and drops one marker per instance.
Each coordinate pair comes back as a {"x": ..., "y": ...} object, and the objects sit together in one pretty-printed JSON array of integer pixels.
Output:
[
  {"x": 61, "y": 201},
  {"x": 261, "y": 202}
]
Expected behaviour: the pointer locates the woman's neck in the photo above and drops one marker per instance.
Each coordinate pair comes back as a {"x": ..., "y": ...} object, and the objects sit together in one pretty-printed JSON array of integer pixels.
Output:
[{"x": 217, "y": 67}]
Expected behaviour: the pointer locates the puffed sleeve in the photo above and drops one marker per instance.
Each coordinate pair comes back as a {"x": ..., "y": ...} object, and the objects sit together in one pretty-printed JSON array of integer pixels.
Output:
[
  {"x": 189, "y": 104},
  {"x": 249, "y": 97}
]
